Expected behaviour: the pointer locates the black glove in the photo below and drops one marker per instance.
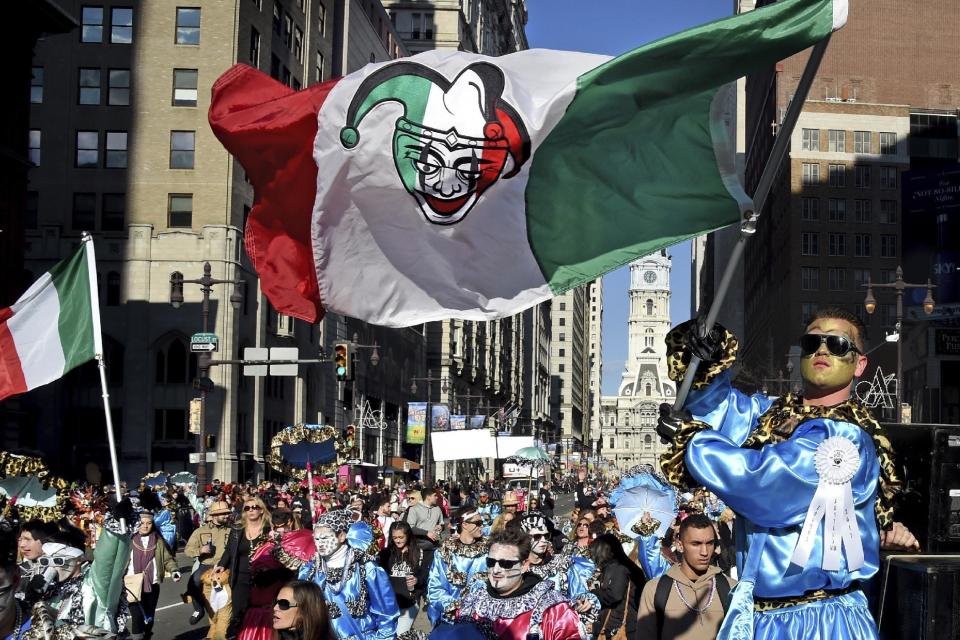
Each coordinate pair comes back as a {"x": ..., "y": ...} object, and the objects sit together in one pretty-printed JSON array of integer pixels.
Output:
[
  {"x": 669, "y": 422},
  {"x": 709, "y": 347},
  {"x": 122, "y": 510}
]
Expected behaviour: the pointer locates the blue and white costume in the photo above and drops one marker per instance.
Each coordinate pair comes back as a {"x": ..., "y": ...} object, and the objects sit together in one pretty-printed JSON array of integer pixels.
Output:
[
  {"x": 456, "y": 566},
  {"x": 761, "y": 458},
  {"x": 648, "y": 535},
  {"x": 360, "y": 598}
]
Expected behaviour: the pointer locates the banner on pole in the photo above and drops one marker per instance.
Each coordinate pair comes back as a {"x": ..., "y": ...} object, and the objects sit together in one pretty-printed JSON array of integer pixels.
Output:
[
  {"x": 440, "y": 417},
  {"x": 416, "y": 422},
  {"x": 477, "y": 422},
  {"x": 458, "y": 423}
]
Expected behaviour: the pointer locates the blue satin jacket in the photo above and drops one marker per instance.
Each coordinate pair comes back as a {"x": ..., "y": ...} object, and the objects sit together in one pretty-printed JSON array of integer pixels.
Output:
[
  {"x": 441, "y": 592},
  {"x": 353, "y": 616},
  {"x": 772, "y": 488}
]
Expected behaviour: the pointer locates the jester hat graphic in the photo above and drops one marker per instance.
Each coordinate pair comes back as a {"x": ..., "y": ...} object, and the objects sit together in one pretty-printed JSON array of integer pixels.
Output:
[{"x": 454, "y": 139}]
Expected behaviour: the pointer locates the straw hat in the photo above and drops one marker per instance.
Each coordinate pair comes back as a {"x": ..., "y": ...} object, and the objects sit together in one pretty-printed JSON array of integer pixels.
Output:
[
  {"x": 510, "y": 499},
  {"x": 219, "y": 508}
]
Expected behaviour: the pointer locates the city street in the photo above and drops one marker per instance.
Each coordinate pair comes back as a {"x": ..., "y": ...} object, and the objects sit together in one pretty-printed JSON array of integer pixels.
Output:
[{"x": 173, "y": 615}]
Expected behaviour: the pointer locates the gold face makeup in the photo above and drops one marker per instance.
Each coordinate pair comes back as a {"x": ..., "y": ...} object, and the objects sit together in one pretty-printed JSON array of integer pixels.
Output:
[{"x": 822, "y": 369}]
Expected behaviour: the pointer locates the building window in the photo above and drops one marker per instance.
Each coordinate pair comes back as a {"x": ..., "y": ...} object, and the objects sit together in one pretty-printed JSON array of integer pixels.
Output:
[
  {"x": 860, "y": 278},
  {"x": 811, "y": 173},
  {"x": 274, "y": 67},
  {"x": 888, "y": 211},
  {"x": 113, "y": 289},
  {"x": 887, "y": 276},
  {"x": 560, "y": 368},
  {"x": 288, "y": 31},
  {"x": 298, "y": 44},
  {"x": 118, "y": 88},
  {"x": 888, "y": 246},
  {"x": 809, "y": 244},
  {"x": 837, "y": 141},
  {"x": 121, "y": 25},
  {"x": 88, "y": 149},
  {"x": 321, "y": 18},
  {"x": 33, "y": 150},
  {"x": 837, "y": 175},
  {"x": 562, "y": 337},
  {"x": 278, "y": 17},
  {"x": 188, "y": 25},
  {"x": 319, "y": 69},
  {"x": 184, "y": 87},
  {"x": 612, "y": 440},
  {"x": 647, "y": 442},
  {"x": 810, "y": 209},
  {"x": 91, "y": 24},
  {"x": 116, "y": 150},
  {"x": 113, "y": 212},
  {"x": 807, "y": 309},
  {"x": 169, "y": 425},
  {"x": 89, "y": 86},
  {"x": 254, "y": 47},
  {"x": 861, "y": 245},
  {"x": 861, "y": 142},
  {"x": 861, "y": 177},
  {"x": 649, "y": 306},
  {"x": 888, "y": 143},
  {"x": 836, "y": 278},
  {"x": 838, "y": 244},
  {"x": 563, "y": 322},
  {"x": 182, "y": 145},
  {"x": 810, "y": 140},
  {"x": 428, "y": 26},
  {"x": 649, "y": 389},
  {"x": 180, "y": 210},
  {"x": 84, "y": 216},
  {"x": 809, "y": 278},
  {"x": 863, "y": 211},
  {"x": 837, "y": 209},
  {"x": 888, "y": 177},
  {"x": 31, "y": 210},
  {"x": 415, "y": 26},
  {"x": 36, "y": 85},
  {"x": 563, "y": 306},
  {"x": 563, "y": 352}
]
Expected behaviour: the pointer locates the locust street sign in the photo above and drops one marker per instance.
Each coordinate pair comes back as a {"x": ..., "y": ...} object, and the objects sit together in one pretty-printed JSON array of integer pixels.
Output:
[{"x": 204, "y": 342}]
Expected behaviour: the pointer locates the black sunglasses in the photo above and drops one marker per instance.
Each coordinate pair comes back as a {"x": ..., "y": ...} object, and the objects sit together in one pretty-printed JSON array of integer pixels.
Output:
[
  {"x": 504, "y": 564},
  {"x": 283, "y": 604},
  {"x": 538, "y": 536},
  {"x": 251, "y": 507},
  {"x": 475, "y": 523},
  {"x": 836, "y": 345}
]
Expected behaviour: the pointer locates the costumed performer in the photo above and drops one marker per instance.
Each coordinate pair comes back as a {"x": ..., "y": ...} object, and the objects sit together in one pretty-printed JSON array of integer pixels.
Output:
[
  {"x": 460, "y": 561},
  {"x": 782, "y": 465}
]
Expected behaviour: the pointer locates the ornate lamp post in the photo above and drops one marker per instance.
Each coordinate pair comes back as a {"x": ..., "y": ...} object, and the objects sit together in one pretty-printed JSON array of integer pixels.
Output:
[{"x": 870, "y": 304}]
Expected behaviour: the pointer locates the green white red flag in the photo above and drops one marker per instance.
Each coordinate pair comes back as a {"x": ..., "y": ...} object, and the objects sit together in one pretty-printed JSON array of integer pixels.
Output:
[
  {"x": 450, "y": 184},
  {"x": 51, "y": 328}
]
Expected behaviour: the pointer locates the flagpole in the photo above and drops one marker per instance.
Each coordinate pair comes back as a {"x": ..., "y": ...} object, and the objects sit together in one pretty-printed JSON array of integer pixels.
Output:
[
  {"x": 101, "y": 363},
  {"x": 749, "y": 225}
]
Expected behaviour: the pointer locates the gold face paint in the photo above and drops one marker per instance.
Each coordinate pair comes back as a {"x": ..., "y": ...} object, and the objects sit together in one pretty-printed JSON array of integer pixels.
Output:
[{"x": 822, "y": 370}]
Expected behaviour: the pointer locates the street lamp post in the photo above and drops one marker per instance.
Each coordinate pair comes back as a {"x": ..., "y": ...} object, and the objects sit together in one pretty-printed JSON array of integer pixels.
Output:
[
  {"x": 425, "y": 455},
  {"x": 870, "y": 304},
  {"x": 203, "y": 382}
]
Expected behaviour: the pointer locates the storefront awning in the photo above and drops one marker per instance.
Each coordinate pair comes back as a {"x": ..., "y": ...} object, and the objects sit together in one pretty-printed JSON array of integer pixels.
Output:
[{"x": 402, "y": 464}]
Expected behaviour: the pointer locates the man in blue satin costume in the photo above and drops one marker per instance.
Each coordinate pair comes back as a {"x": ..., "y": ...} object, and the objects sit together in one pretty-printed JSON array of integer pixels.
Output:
[
  {"x": 460, "y": 561},
  {"x": 760, "y": 456},
  {"x": 359, "y": 596}
]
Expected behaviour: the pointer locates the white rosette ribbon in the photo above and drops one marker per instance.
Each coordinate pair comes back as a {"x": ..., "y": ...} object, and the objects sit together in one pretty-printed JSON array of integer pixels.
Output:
[{"x": 836, "y": 460}]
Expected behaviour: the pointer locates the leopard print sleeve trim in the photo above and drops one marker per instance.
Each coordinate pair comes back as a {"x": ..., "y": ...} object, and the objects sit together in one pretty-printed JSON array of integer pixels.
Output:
[
  {"x": 678, "y": 358},
  {"x": 672, "y": 460}
]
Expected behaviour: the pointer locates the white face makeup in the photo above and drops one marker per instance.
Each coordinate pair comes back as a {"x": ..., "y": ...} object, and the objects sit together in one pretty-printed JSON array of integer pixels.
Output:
[
  {"x": 326, "y": 541},
  {"x": 541, "y": 542},
  {"x": 504, "y": 580}
]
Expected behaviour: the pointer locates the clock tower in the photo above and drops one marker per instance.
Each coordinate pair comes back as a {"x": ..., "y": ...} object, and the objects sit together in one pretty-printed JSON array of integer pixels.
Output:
[{"x": 645, "y": 372}]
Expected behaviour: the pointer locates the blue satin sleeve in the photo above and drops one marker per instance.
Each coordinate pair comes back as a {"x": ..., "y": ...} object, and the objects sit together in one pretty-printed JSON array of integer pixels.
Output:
[
  {"x": 578, "y": 579},
  {"x": 440, "y": 593},
  {"x": 727, "y": 410},
  {"x": 384, "y": 611},
  {"x": 651, "y": 559},
  {"x": 771, "y": 490}
]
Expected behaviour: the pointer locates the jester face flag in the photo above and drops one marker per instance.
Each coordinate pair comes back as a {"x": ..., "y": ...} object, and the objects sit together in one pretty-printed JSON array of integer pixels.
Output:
[{"x": 450, "y": 184}]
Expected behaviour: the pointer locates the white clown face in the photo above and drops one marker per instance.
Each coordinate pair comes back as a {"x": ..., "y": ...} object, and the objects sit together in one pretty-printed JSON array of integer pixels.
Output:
[
  {"x": 504, "y": 579},
  {"x": 541, "y": 541},
  {"x": 326, "y": 540}
]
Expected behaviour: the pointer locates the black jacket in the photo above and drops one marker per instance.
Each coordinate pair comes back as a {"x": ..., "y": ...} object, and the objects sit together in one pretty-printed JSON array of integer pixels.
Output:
[{"x": 611, "y": 592}]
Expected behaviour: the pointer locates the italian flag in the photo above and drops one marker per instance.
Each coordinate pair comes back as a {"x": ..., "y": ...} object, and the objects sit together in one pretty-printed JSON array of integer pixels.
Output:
[
  {"x": 52, "y": 328},
  {"x": 450, "y": 184}
]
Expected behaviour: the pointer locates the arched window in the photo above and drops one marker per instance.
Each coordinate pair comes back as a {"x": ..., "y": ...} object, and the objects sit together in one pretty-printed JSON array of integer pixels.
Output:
[
  {"x": 113, "y": 289},
  {"x": 647, "y": 442},
  {"x": 649, "y": 307},
  {"x": 648, "y": 338},
  {"x": 649, "y": 389},
  {"x": 626, "y": 443},
  {"x": 612, "y": 445},
  {"x": 175, "y": 365},
  {"x": 626, "y": 420}
]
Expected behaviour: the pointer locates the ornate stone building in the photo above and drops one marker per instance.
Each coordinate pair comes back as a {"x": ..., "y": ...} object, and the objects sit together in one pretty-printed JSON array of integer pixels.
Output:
[{"x": 628, "y": 420}]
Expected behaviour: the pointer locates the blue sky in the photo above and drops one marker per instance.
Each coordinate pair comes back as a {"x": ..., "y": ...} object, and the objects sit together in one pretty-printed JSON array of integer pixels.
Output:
[{"x": 613, "y": 27}]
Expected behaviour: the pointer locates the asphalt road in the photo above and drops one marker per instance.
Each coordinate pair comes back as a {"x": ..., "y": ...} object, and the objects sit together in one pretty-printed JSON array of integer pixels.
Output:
[{"x": 172, "y": 620}]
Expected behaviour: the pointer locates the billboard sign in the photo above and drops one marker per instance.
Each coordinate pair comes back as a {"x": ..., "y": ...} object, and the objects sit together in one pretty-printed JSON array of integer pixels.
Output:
[{"x": 416, "y": 422}]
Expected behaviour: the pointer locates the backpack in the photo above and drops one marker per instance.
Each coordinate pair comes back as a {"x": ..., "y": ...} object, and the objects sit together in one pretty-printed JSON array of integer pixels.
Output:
[{"x": 664, "y": 586}]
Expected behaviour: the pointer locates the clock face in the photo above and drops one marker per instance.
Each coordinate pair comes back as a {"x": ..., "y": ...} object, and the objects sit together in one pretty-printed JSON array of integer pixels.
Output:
[{"x": 650, "y": 277}]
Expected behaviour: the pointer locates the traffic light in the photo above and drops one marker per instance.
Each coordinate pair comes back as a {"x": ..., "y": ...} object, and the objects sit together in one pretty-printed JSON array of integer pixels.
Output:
[
  {"x": 349, "y": 436},
  {"x": 343, "y": 361}
]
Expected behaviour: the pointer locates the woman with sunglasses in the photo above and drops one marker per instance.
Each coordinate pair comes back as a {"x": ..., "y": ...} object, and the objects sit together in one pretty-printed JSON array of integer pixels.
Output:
[
  {"x": 460, "y": 559},
  {"x": 300, "y": 612},
  {"x": 408, "y": 566},
  {"x": 242, "y": 544},
  {"x": 781, "y": 464}
]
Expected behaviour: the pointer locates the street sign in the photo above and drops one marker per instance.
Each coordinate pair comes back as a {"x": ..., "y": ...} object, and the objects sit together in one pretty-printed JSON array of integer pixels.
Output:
[
  {"x": 195, "y": 407},
  {"x": 255, "y": 353},
  {"x": 204, "y": 342},
  {"x": 211, "y": 457},
  {"x": 284, "y": 353}
]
